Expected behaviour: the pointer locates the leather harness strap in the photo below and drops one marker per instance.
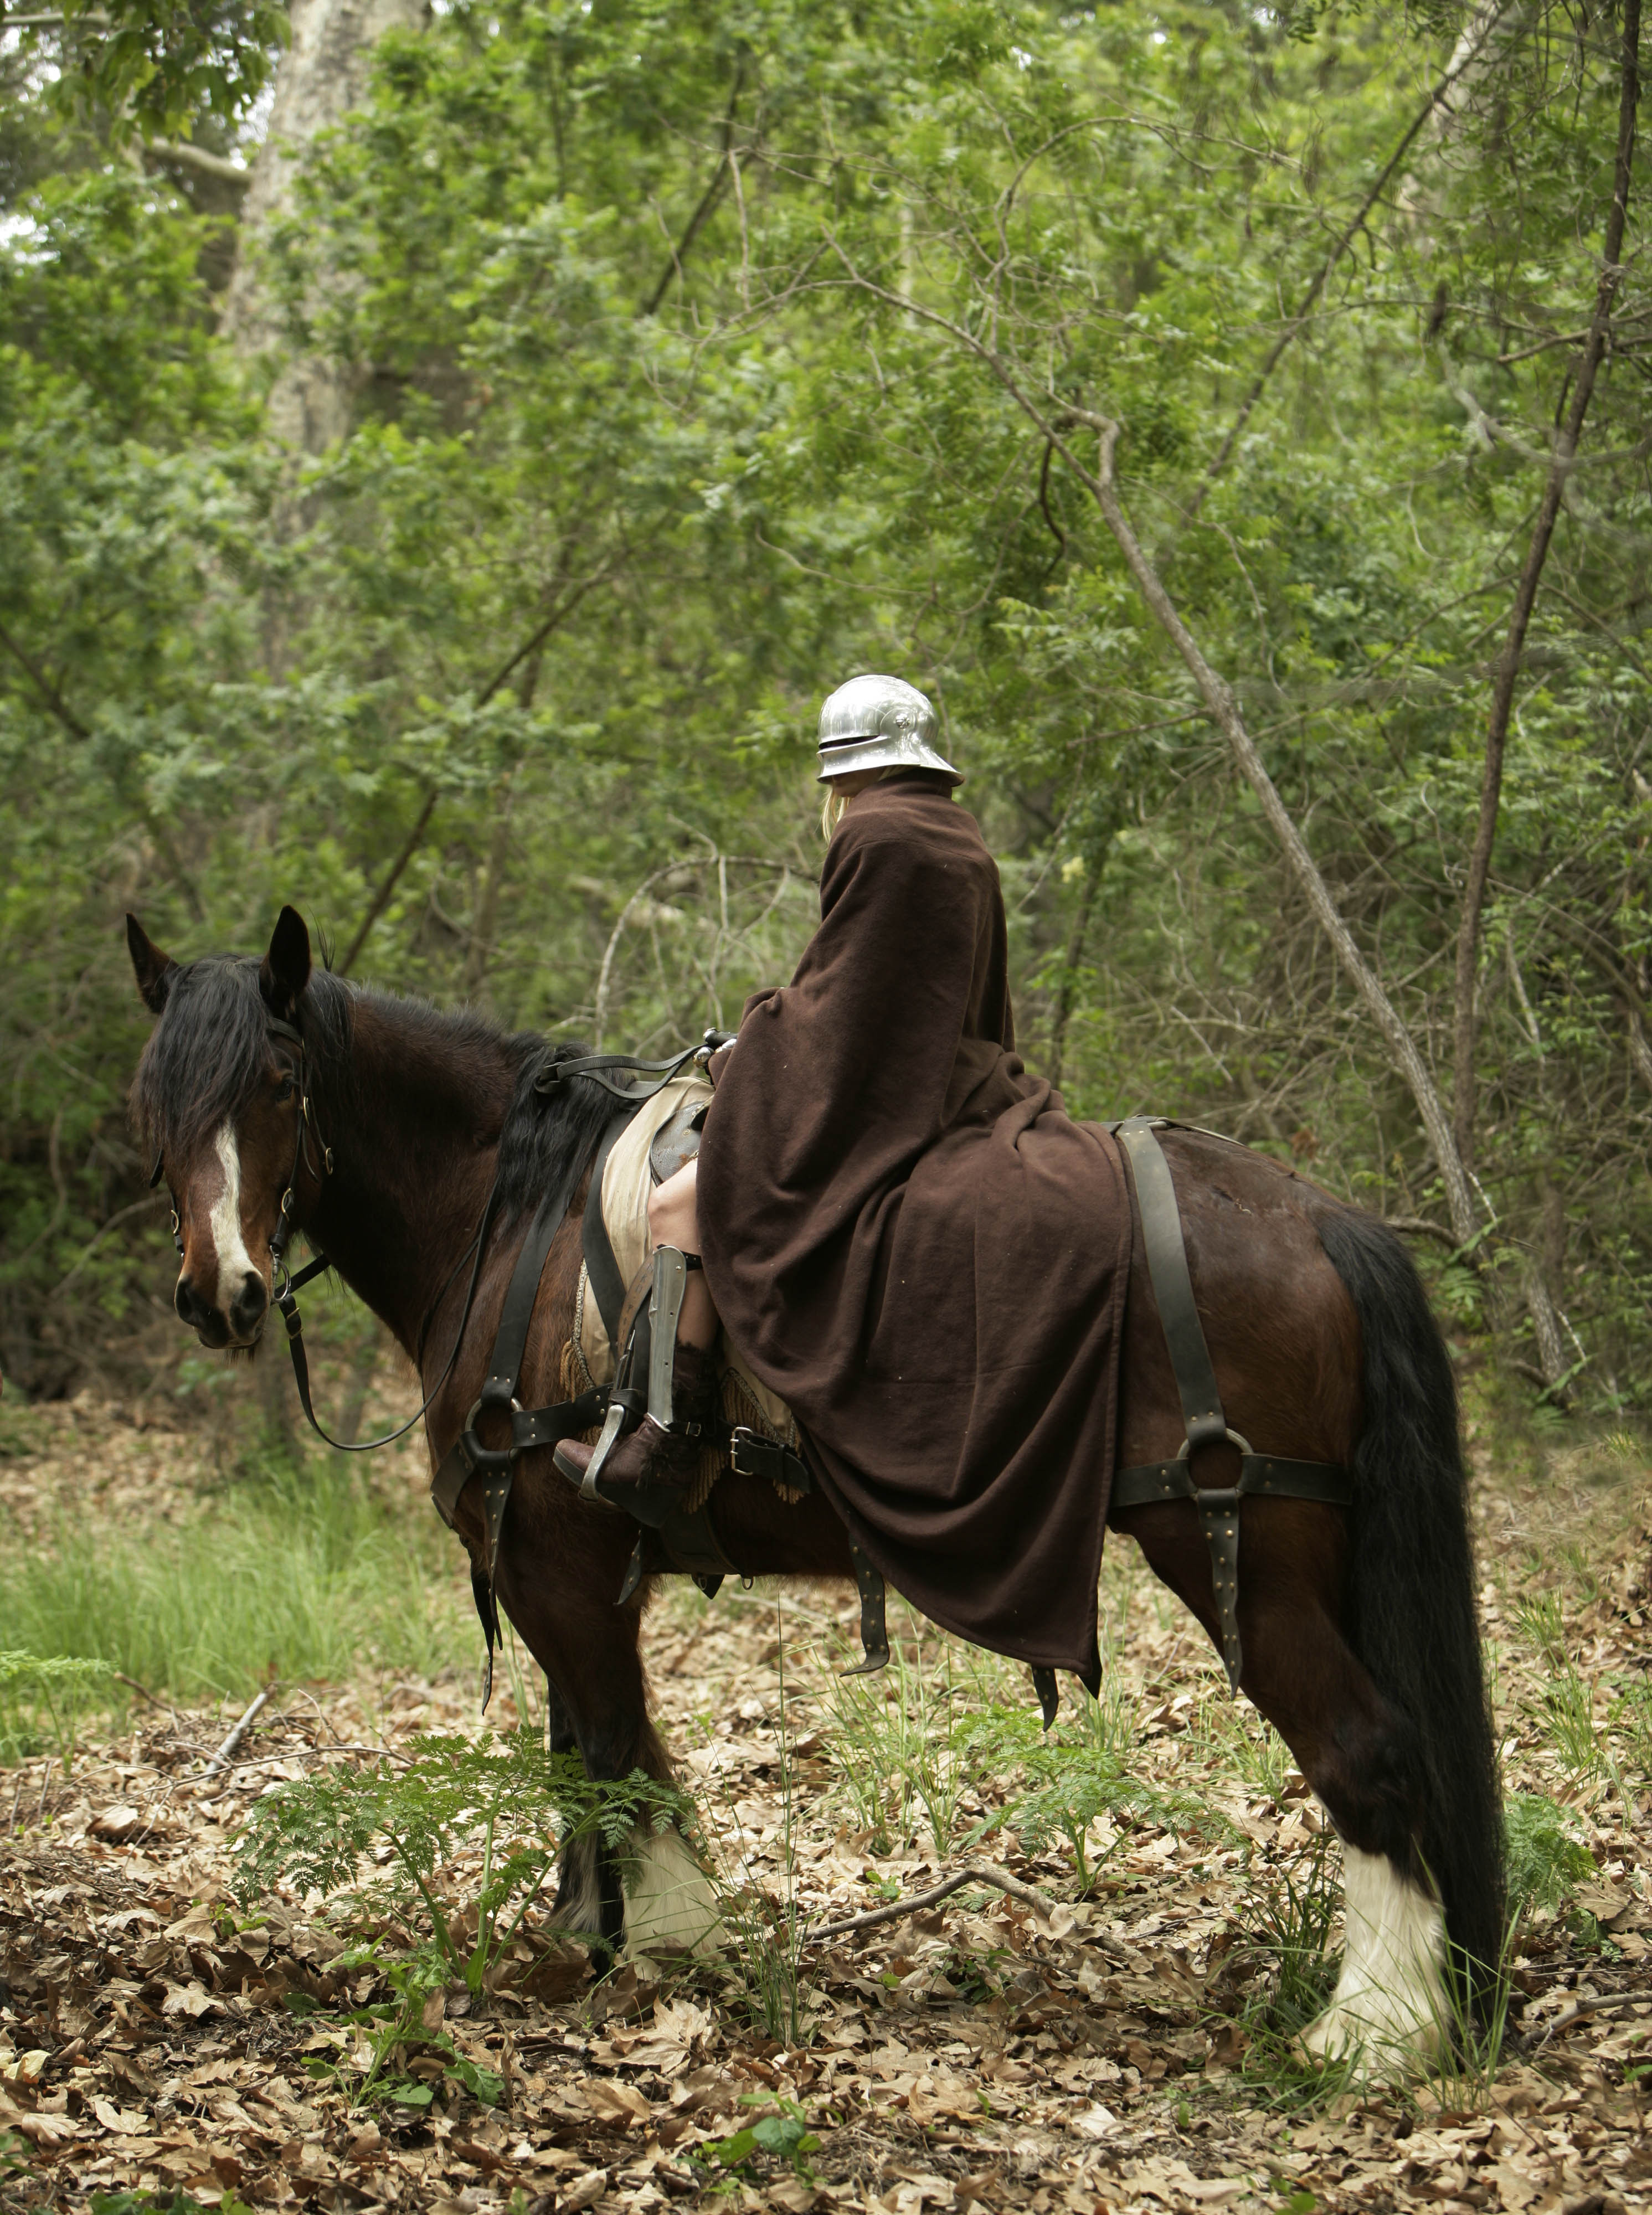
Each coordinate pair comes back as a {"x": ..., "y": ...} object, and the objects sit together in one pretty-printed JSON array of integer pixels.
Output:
[
  {"x": 1205, "y": 1424},
  {"x": 672, "y": 1539},
  {"x": 496, "y": 1465},
  {"x": 688, "y": 1541},
  {"x": 1167, "y": 1265}
]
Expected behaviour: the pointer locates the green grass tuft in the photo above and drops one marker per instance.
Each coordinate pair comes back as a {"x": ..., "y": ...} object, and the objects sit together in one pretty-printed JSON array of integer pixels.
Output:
[{"x": 300, "y": 1569}]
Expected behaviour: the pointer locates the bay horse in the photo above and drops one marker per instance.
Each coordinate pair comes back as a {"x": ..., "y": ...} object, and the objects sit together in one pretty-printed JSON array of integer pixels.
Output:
[{"x": 1358, "y": 1634}]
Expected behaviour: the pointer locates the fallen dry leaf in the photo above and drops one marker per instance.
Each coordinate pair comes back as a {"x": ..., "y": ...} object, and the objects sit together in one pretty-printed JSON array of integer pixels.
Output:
[{"x": 614, "y": 2103}]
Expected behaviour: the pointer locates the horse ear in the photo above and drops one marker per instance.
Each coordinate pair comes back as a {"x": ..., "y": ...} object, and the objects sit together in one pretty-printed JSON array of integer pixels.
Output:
[
  {"x": 154, "y": 970},
  {"x": 284, "y": 970}
]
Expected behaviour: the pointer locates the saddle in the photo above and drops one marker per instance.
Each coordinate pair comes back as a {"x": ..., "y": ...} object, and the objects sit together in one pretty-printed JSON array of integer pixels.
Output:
[
  {"x": 660, "y": 1128},
  {"x": 616, "y": 1275},
  {"x": 613, "y": 1351}
]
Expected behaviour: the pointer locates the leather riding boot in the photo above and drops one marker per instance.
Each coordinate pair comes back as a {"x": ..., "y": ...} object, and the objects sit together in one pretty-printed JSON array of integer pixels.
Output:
[{"x": 651, "y": 1454}]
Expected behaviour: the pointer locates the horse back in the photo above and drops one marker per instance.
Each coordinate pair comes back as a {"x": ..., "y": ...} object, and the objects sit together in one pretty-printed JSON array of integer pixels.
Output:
[{"x": 1283, "y": 1336}]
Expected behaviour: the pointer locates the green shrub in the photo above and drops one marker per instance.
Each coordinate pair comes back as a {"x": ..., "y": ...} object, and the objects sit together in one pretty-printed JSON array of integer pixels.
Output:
[{"x": 1546, "y": 1862}]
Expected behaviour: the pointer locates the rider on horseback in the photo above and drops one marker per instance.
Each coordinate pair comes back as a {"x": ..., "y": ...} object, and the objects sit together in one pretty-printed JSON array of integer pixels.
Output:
[{"x": 873, "y": 730}]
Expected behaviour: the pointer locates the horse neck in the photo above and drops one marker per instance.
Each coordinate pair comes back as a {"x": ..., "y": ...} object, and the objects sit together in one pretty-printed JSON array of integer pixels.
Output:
[{"x": 415, "y": 1133}]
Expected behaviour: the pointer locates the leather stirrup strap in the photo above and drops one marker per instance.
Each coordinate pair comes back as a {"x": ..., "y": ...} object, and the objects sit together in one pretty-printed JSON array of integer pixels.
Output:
[
  {"x": 496, "y": 1465},
  {"x": 1167, "y": 1265},
  {"x": 874, "y": 1635}
]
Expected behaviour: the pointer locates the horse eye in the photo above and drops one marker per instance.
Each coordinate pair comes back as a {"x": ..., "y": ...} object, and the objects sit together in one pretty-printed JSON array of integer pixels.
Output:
[{"x": 286, "y": 1089}]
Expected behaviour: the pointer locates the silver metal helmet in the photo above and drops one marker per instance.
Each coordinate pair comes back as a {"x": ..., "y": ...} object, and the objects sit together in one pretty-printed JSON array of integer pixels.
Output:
[{"x": 878, "y": 722}]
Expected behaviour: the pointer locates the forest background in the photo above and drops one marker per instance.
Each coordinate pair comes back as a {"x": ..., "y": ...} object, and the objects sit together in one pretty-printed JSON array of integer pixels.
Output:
[{"x": 446, "y": 456}]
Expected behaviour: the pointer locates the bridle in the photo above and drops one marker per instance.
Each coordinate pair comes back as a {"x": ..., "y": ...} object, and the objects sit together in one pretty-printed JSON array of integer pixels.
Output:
[
  {"x": 281, "y": 1281},
  {"x": 282, "y": 1234},
  {"x": 287, "y": 1284}
]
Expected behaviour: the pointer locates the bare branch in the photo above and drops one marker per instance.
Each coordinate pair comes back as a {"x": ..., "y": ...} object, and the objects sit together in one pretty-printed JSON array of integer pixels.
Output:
[
  {"x": 1420, "y": 1226},
  {"x": 392, "y": 878},
  {"x": 709, "y": 199},
  {"x": 1345, "y": 238},
  {"x": 43, "y": 685},
  {"x": 179, "y": 155},
  {"x": 1052, "y": 420},
  {"x": 972, "y": 1872}
]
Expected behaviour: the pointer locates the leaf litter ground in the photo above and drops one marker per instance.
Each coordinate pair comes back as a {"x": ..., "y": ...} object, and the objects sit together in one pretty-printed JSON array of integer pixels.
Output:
[{"x": 1110, "y": 2052}]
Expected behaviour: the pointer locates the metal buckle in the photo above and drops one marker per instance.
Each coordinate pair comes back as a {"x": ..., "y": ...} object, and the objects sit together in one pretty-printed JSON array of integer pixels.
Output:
[
  {"x": 1232, "y": 1437},
  {"x": 744, "y": 1437}
]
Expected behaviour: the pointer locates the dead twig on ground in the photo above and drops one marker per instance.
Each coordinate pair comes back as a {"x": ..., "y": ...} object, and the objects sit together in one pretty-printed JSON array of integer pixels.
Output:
[
  {"x": 231, "y": 1745},
  {"x": 1580, "y": 2011},
  {"x": 972, "y": 1872}
]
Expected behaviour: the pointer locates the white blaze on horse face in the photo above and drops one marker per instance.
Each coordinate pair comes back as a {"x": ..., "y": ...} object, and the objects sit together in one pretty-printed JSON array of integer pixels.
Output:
[
  {"x": 234, "y": 1262},
  {"x": 1390, "y": 1997}
]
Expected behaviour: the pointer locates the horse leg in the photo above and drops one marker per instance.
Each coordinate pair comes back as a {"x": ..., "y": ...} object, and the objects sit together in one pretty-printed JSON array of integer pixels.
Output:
[
  {"x": 651, "y": 1891},
  {"x": 1353, "y": 1745},
  {"x": 587, "y": 1902}
]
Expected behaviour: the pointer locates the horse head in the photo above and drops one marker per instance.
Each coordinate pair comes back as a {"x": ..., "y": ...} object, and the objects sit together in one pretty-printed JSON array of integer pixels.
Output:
[{"x": 220, "y": 1094}]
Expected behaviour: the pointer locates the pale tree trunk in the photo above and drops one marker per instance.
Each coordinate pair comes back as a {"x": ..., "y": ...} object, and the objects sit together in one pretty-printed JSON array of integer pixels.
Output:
[
  {"x": 1495, "y": 28},
  {"x": 323, "y": 76}
]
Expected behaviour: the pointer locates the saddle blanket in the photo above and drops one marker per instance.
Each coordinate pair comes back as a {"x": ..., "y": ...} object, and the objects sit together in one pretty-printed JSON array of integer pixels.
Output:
[{"x": 627, "y": 1181}]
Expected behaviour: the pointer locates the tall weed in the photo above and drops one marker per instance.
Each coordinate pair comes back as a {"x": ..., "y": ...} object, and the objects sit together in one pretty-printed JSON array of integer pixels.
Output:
[{"x": 767, "y": 1929}]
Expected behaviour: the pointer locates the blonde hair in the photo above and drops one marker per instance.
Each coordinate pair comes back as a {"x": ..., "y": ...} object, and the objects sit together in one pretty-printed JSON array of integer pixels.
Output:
[{"x": 832, "y": 808}]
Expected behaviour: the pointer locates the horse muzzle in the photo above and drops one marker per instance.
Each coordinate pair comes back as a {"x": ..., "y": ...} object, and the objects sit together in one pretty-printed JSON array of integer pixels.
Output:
[{"x": 216, "y": 1329}]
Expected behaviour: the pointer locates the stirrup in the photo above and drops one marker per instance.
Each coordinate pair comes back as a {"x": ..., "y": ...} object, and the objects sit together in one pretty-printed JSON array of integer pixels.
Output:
[{"x": 645, "y": 1383}]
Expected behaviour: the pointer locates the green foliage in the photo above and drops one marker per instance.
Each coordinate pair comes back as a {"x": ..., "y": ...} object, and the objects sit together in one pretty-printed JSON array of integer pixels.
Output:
[
  {"x": 781, "y": 2131},
  {"x": 526, "y": 1805},
  {"x": 410, "y": 1815},
  {"x": 401, "y": 2028},
  {"x": 1067, "y": 1778},
  {"x": 63, "y": 1684},
  {"x": 897, "y": 1740},
  {"x": 1545, "y": 1860},
  {"x": 649, "y": 448},
  {"x": 297, "y": 1568},
  {"x": 1289, "y": 1908},
  {"x": 154, "y": 66}
]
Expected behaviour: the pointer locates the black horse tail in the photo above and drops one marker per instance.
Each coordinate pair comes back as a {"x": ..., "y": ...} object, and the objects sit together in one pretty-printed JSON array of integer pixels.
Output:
[{"x": 1411, "y": 1587}]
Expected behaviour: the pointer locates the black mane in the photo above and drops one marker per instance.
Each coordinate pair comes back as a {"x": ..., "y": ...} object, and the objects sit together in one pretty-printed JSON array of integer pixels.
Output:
[
  {"x": 205, "y": 1055},
  {"x": 211, "y": 1045}
]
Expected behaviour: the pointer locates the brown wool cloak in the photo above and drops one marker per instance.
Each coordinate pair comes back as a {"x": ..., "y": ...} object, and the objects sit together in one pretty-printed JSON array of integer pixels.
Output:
[{"x": 910, "y": 1240}]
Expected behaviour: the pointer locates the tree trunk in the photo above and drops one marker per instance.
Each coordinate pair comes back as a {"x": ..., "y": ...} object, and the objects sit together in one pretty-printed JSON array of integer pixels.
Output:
[{"x": 323, "y": 76}]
